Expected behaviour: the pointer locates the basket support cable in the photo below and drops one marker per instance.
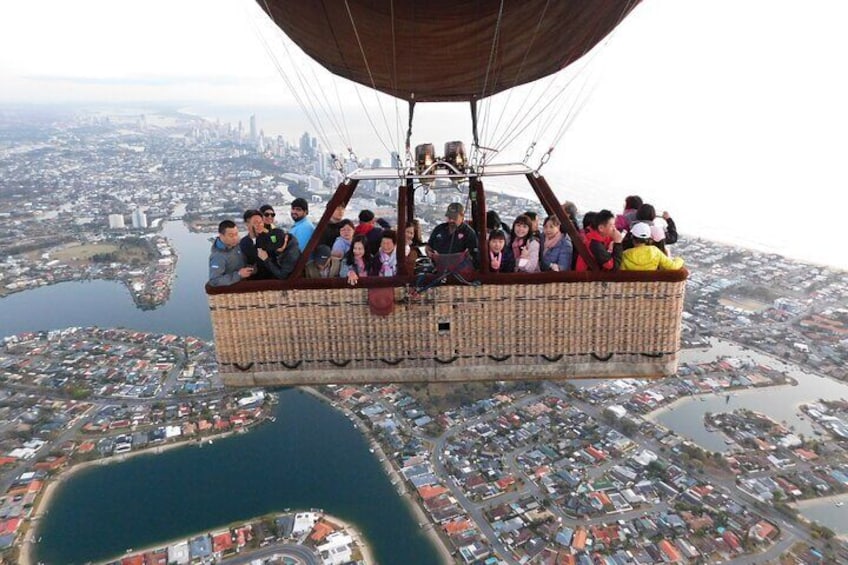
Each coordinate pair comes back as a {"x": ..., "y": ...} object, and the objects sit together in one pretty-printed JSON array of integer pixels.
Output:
[
  {"x": 479, "y": 213},
  {"x": 400, "y": 241}
]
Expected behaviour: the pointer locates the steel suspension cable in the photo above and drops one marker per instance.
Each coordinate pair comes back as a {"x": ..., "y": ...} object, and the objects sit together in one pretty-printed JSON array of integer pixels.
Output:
[
  {"x": 312, "y": 117},
  {"x": 492, "y": 52},
  {"x": 521, "y": 66},
  {"x": 370, "y": 77}
]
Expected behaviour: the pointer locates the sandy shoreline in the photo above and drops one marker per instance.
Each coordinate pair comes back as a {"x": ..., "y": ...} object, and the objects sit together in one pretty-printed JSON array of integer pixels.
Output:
[
  {"x": 357, "y": 536},
  {"x": 414, "y": 507}
]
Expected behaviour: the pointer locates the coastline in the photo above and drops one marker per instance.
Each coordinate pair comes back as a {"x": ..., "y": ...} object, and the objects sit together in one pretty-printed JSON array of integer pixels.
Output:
[
  {"x": 809, "y": 503},
  {"x": 42, "y": 503},
  {"x": 358, "y": 537},
  {"x": 414, "y": 507}
]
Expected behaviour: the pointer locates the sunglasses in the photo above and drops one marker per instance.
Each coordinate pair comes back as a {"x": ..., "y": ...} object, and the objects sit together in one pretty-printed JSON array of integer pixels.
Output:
[{"x": 270, "y": 215}]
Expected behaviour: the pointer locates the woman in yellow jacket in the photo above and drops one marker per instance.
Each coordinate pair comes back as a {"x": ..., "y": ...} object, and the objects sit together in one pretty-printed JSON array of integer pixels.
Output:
[{"x": 645, "y": 257}]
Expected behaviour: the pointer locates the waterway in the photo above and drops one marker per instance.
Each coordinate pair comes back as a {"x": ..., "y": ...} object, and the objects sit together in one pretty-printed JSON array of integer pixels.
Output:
[
  {"x": 686, "y": 416},
  {"x": 311, "y": 457}
]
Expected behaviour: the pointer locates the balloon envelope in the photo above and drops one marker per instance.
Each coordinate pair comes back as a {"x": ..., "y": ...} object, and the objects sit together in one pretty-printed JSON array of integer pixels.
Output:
[{"x": 446, "y": 50}]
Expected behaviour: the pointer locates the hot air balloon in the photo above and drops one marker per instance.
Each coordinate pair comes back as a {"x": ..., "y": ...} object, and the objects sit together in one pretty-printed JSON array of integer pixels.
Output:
[{"x": 437, "y": 326}]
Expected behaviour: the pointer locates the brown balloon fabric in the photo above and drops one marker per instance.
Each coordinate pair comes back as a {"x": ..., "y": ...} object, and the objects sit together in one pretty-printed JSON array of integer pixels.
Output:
[{"x": 446, "y": 50}]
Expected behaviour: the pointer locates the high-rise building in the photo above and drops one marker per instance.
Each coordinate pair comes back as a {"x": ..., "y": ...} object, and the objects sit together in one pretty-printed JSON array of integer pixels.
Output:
[
  {"x": 139, "y": 219},
  {"x": 116, "y": 221},
  {"x": 253, "y": 130},
  {"x": 305, "y": 145},
  {"x": 395, "y": 160}
]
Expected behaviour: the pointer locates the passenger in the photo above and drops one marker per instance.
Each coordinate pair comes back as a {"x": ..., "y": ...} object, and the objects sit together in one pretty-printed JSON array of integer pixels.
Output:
[
  {"x": 331, "y": 232},
  {"x": 501, "y": 259},
  {"x": 278, "y": 252},
  {"x": 570, "y": 209},
  {"x": 369, "y": 228},
  {"x": 324, "y": 265},
  {"x": 660, "y": 236},
  {"x": 646, "y": 257},
  {"x": 384, "y": 263},
  {"x": 453, "y": 236},
  {"x": 226, "y": 261},
  {"x": 268, "y": 215},
  {"x": 494, "y": 222},
  {"x": 525, "y": 245},
  {"x": 586, "y": 225},
  {"x": 342, "y": 243},
  {"x": 302, "y": 229},
  {"x": 588, "y": 218},
  {"x": 356, "y": 261},
  {"x": 604, "y": 243},
  {"x": 557, "y": 250},
  {"x": 413, "y": 244},
  {"x": 534, "y": 223},
  {"x": 255, "y": 223},
  {"x": 631, "y": 205}
]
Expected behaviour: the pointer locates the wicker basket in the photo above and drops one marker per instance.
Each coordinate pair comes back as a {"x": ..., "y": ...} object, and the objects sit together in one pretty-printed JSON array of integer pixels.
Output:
[{"x": 514, "y": 330}]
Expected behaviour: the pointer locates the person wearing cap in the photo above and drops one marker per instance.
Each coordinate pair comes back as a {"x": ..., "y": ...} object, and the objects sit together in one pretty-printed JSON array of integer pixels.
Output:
[
  {"x": 324, "y": 265},
  {"x": 302, "y": 229},
  {"x": 453, "y": 236},
  {"x": 646, "y": 257},
  {"x": 277, "y": 252}
]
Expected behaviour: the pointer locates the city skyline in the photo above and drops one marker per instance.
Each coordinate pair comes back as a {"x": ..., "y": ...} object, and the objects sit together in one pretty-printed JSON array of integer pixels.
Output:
[{"x": 712, "y": 110}]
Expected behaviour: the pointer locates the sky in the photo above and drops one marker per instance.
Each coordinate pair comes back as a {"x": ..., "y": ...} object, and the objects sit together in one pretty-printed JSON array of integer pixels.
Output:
[{"x": 731, "y": 114}]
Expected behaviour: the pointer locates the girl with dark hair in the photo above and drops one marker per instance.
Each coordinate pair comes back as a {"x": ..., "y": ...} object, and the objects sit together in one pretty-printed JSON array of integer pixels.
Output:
[
  {"x": 413, "y": 244},
  {"x": 525, "y": 245},
  {"x": 356, "y": 261},
  {"x": 501, "y": 259}
]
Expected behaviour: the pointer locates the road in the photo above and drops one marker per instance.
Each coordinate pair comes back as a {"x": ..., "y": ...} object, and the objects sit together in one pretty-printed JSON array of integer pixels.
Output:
[{"x": 304, "y": 555}]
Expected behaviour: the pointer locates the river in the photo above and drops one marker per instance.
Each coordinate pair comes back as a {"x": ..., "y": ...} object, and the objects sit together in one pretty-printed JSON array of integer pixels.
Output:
[
  {"x": 311, "y": 457},
  {"x": 294, "y": 462},
  {"x": 686, "y": 416}
]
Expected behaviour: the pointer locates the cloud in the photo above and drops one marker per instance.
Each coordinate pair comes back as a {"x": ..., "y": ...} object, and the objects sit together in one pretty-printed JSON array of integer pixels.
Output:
[{"x": 165, "y": 81}]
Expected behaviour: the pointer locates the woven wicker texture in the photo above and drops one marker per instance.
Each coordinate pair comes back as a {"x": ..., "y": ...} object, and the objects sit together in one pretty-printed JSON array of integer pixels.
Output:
[{"x": 525, "y": 331}]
